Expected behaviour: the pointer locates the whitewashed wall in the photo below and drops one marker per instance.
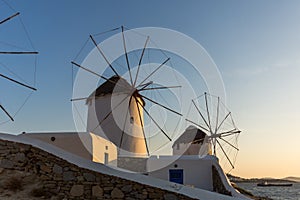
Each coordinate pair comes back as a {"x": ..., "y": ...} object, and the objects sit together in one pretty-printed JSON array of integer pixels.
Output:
[
  {"x": 197, "y": 171},
  {"x": 101, "y": 147},
  {"x": 133, "y": 142},
  {"x": 79, "y": 144}
]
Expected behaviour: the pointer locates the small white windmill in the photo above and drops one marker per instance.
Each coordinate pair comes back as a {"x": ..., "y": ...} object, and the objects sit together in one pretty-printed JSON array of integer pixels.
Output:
[{"x": 213, "y": 118}]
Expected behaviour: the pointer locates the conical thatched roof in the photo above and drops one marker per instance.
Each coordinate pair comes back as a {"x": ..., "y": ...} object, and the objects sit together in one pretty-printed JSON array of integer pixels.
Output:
[{"x": 114, "y": 84}]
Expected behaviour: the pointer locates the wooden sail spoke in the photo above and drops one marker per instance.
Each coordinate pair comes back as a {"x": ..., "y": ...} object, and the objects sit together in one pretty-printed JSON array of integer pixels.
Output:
[
  {"x": 108, "y": 114},
  {"x": 126, "y": 55},
  {"x": 142, "y": 125},
  {"x": 4, "y": 110},
  {"x": 225, "y": 154},
  {"x": 162, "y": 64},
  {"x": 18, "y": 82},
  {"x": 140, "y": 61},
  {"x": 169, "y": 109},
  {"x": 155, "y": 123},
  {"x": 197, "y": 125},
  {"x": 103, "y": 55},
  {"x": 18, "y": 52},
  {"x": 9, "y": 18},
  {"x": 96, "y": 74},
  {"x": 159, "y": 88},
  {"x": 229, "y": 144},
  {"x": 126, "y": 116},
  {"x": 201, "y": 115}
]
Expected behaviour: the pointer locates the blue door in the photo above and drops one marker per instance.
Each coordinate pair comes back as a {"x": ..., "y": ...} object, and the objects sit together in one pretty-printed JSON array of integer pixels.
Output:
[{"x": 176, "y": 175}]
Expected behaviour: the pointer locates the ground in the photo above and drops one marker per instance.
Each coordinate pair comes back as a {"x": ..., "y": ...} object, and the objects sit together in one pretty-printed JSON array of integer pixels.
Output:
[{"x": 19, "y": 185}]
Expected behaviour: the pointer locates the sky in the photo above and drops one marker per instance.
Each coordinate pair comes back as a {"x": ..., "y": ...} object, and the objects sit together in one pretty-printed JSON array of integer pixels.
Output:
[{"x": 255, "y": 45}]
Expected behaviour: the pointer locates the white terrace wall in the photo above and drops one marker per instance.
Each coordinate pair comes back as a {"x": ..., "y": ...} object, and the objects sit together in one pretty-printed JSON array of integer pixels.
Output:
[
  {"x": 76, "y": 143},
  {"x": 197, "y": 171}
]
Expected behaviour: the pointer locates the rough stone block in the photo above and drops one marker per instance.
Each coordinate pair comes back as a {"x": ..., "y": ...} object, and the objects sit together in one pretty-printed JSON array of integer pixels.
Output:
[
  {"x": 7, "y": 164},
  {"x": 116, "y": 193},
  {"x": 68, "y": 176},
  {"x": 77, "y": 190},
  {"x": 46, "y": 168},
  {"x": 97, "y": 191},
  {"x": 89, "y": 176},
  {"x": 57, "y": 169},
  {"x": 127, "y": 188}
]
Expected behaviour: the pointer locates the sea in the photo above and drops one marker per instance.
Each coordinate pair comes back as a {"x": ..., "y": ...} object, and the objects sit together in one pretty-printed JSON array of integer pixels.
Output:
[{"x": 276, "y": 193}]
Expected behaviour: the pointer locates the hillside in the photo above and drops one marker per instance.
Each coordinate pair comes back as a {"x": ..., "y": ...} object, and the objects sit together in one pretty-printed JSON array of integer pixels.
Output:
[
  {"x": 291, "y": 178},
  {"x": 237, "y": 179}
]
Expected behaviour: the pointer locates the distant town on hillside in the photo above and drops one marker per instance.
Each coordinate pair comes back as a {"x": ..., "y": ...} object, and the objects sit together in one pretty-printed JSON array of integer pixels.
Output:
[{"x": 233, "y": 178}]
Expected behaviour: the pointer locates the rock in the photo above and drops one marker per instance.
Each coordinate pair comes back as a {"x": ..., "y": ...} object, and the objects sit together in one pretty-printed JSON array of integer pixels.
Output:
[
  {"x": 129, "y": 198},
  {"x": 80, "y": 178},
  {"x": 7, "y": 164},
  {"x": 97, "y": 191},
  {"x": 170, "y": 197},
  {"x": 75, "y": 169},
  {"x": 155, "y": 195},
  {"x": 45, "y": 178},
  {"x": 57, "y": 178},
  {"x": 1, "y": 170},
  {"x": 68, "y": 176},
  {"x": 66, "y": 169},
  {"x": 116, "y": 193},
  {"x": 140, "y": 196},
  {"x": 108, "y": 188},
  {"x": 50, "y": 185},
  {"x": 20, "y": 157},
  {"x": 127, "y": 188},
  {"x": 57, "y": 169},
  {"x": 45, "y": 168},
  {"x": 89, "y": 176},
  {"x": 77, "y": 190}
]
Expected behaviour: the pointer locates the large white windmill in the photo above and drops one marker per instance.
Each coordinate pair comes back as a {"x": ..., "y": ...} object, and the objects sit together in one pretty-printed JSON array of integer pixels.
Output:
[{"x": 119, "y": 108}]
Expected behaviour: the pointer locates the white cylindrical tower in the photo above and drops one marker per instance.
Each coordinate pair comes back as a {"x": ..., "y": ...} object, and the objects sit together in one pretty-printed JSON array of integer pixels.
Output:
[{"x": 115, "y": 112}]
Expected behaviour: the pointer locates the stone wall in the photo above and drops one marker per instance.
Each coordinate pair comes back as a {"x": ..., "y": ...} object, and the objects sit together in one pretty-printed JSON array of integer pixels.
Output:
[{"x": 60, "y": 179}]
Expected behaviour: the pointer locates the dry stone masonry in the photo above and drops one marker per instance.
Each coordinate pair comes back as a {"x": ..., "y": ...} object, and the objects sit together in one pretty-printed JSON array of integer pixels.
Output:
[{"x": 60, "y": 179}]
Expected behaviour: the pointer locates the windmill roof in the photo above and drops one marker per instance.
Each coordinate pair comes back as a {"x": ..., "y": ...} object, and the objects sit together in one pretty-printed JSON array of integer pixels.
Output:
[
  {"x": 114, "y": 84},
  {"x": 191, "y": 135}
]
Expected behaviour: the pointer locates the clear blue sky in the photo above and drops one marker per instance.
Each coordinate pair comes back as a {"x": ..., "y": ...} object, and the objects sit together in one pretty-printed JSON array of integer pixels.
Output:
[{"x": 255, "y": 44}]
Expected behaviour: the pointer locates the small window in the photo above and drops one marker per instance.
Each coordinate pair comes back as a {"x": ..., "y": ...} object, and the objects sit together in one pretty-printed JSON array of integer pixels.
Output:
[
  {"x": 106, "y": 147},
  {"x": 131, "y": 120},
  {"x": 177, "y": 146}
]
